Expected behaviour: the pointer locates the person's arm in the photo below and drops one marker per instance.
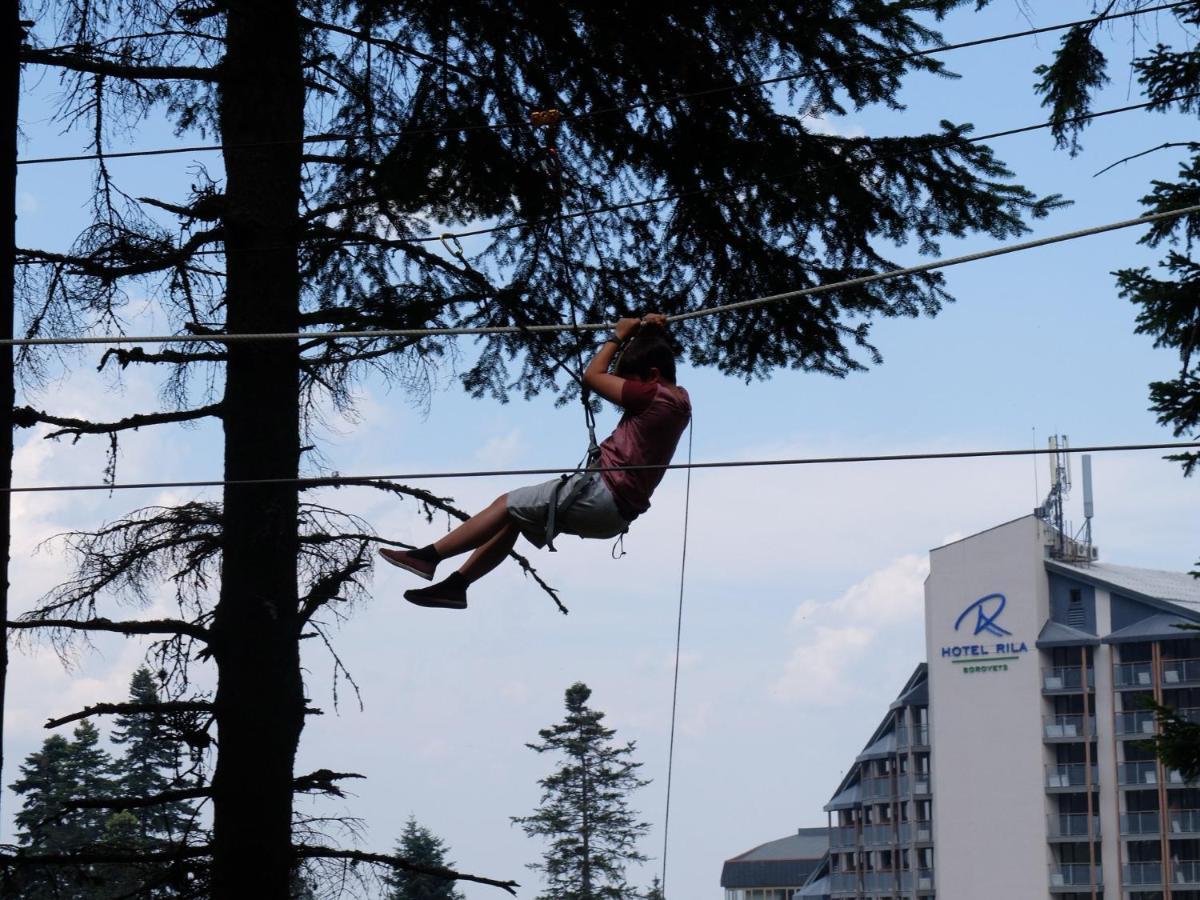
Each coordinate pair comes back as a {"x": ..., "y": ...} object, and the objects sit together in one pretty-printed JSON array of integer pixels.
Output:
[{"x": 596, "y": 376}]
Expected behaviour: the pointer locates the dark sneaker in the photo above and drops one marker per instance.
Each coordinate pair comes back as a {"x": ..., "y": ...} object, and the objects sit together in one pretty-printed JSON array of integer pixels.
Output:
[
  {"x": 438, "y": 596},
  {"x": 403, "y": 559}
]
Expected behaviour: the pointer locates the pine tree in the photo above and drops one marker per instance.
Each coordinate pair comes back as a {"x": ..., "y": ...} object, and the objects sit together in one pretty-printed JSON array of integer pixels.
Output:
[
  {"x": 419, "y": 845},
  {"x": 60, "y": 772},
  {"x": 655, "y": 891},
  {"x": 150, "y": 764},
  {"x": 584, "y": 813},
  {"x": 434, "y": 103}
]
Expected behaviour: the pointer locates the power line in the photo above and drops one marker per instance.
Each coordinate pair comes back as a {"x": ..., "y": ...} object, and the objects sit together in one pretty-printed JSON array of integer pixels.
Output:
[
  {"x": 351, "y": 480},
  {"x": 602, "y": 326},
  {"x": 695, "y": 192},
  {"x": 629, "y": 107}
]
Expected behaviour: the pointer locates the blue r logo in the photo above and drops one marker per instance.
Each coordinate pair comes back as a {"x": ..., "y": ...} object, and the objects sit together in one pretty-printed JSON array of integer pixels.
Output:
[{"x": 983, "y": 621}]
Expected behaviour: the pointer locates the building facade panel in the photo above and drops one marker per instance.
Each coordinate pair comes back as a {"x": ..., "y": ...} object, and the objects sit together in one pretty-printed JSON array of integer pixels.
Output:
[{"x": 994, "y": 776}]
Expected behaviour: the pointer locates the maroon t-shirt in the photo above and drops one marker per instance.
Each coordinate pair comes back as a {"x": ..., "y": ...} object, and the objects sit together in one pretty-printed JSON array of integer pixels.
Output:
[{"x": 656, "y": 414}]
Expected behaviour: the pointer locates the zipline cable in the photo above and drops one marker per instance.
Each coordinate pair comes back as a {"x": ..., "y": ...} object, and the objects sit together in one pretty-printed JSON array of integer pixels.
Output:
[
  {"x": 687, "y": 505},
  {"x": 629, "y": 107},
  {"x": 351, "y": 480},
  {"x": 399, "y": 243},
  {"x": 452, "y": 331}
]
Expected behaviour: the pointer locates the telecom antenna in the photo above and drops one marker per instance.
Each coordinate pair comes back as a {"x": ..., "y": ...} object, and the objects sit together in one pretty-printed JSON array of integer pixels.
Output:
[
  {"x": 1088, "y": 506},
  {"x": 1051, "y": 510}
]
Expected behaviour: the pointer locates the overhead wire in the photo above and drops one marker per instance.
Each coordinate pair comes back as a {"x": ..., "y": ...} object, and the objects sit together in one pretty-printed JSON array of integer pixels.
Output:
[
  {"x": 452, "y": 331},
  {"x": 398, "y": 243},
  {"x": 352, "y": 480},
  {"x": 619, "y": 108}
]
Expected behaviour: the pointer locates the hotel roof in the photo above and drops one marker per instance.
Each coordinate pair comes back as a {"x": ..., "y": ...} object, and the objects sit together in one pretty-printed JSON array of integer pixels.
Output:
[
  {"x": 1145, "y": 584},
  {"x": 787, "y": 862}
]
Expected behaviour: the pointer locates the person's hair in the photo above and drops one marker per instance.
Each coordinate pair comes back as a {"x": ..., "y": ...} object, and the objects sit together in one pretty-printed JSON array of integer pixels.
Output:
[{"x": 649, "y": 349}]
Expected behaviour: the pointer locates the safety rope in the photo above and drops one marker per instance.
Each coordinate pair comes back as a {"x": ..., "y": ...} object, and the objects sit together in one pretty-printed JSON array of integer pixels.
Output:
[
  {"x": 349, "y": 480},
  {"x": 933, "y": 265},
  {"x": 622, "y": 108},
  {"x": 687, "y": 505}
]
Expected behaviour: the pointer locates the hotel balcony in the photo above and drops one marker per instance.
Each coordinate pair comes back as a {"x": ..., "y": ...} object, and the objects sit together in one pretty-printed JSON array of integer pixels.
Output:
[
  {"x": 883, "y": 835},
  {"x": 916, "y": 737},
  {"x": 1073, "y": 877},
  {"x": 882, "y": 881},
  {"x": 1141, "y": 774},
  {"x": 1141, "y": 824},
  {"x": 1142, "y": 874},
  {"x": 1135, "y": 725},
  {"x": 883, "y": 788},
  {"x": 1071, "y": 777},
  {"x": 1057, "y": 729},
  {"x": 1137, "y": 774},
  {"x": 1183, "y": 822},
  {"x": 1180, "y": 672},
  {"x": 845, "y": 836},
  {"x": 920, "y": 880},
  {"x": 919, "y": 832},
  {"x": 843, "y": 882},
  {"x": 1133, "y": 675},
  {"x": 1066, "y": 679},
  {"x": 1185, "y": 872},
  {"x": 1073, "y": 827}
]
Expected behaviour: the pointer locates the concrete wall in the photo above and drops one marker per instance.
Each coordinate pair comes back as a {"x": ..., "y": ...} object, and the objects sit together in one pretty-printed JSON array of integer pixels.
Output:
[{"x": 989, "y": 796}]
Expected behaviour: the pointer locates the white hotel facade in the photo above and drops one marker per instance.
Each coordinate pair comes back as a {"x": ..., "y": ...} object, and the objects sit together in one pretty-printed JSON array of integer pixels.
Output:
[{"x": 1012, "y": 765}]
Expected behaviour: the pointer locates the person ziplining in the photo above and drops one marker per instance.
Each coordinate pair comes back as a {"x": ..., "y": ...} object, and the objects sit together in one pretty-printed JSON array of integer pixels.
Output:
[{"x": 599, "y": 501}]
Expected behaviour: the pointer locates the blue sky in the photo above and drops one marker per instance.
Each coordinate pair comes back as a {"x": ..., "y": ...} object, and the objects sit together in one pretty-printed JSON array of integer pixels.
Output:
[{"x": 803, "y": 604}]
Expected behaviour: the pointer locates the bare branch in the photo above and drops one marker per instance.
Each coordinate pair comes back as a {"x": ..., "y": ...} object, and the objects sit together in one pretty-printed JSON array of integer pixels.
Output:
[
  {"x": 322, "y": 781},
  {"x": 13, "y": 857},
  {"x": 109, "y": 263},
  {"x": 107, "y": 709},
  {"x": 1189, "y": 144},
  {"x": 165, "y": 797},
  {"x": 27, "y": 417},
  {"x": 394, "y": 46},
  {"x": 402, "y": 864},
  {"x": 83, "y": 62},
  {"x": 126, "y": 357},
  {"x": 147, "y": 626}
]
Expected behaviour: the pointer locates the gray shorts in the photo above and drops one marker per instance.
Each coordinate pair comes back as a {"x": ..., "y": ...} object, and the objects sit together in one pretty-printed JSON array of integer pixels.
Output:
[{"x": 585, "y": 507}]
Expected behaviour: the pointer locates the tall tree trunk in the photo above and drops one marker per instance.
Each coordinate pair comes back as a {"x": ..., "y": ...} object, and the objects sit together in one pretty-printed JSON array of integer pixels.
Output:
[{"x": 260, "y": 697}]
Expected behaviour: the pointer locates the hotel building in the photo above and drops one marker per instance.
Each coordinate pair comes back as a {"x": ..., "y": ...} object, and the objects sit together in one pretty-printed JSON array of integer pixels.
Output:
[{"x": 1013, "y": 763}]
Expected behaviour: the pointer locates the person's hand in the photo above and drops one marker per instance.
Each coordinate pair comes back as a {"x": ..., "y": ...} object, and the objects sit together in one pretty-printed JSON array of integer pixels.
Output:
[
  {"x": 625, "y": 328},
  {"x": 655, "y": 320}
]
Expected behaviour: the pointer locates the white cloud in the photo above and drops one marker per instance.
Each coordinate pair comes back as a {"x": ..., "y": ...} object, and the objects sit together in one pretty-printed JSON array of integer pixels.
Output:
[
  {"x": 837, "y": 637},
  {"x": 503, "y": 449}
]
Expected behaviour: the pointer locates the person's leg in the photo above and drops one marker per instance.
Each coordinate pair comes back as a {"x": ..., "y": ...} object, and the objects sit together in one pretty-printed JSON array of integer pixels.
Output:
[
  {"x": 473, "y": 533},
  {"x": 478, "y": 530},
  {"x": 491, "y": 554}
]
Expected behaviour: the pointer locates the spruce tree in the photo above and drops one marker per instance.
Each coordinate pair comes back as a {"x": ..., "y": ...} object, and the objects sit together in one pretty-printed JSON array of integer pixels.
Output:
[
  {"x": 150, "y": 764},
  {"x": 63, "y": 771},
  {"x": 584, "y": 815},
  {"x": 419, "y": 845},
  {"x": 655, "y": 891},
  {"x": 431, "y": 105}
]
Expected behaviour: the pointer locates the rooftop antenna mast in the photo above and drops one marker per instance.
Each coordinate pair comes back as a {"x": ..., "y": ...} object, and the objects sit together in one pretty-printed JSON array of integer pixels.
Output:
[{"x": 1051, "y": 510}]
